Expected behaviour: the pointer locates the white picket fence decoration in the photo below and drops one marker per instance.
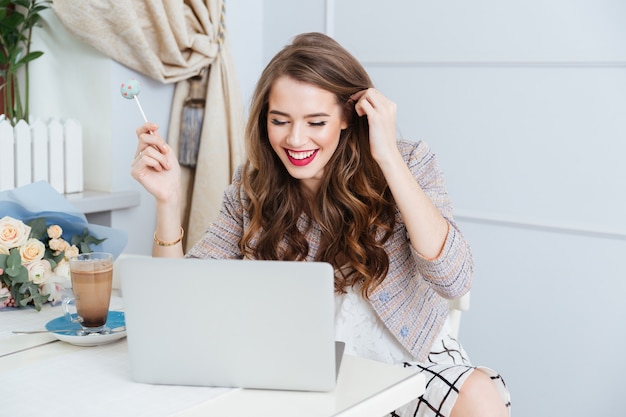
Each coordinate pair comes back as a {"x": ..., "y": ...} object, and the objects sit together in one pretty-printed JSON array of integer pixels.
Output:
[{"x": 50, "y": 152}]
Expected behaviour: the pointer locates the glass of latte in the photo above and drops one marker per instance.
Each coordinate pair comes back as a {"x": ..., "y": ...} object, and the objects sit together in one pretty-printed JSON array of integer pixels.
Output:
[{"x": 92, "y": 278}]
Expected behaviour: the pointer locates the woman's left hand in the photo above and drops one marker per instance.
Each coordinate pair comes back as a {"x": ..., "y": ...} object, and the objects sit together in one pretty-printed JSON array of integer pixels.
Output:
[
  {"x": 381, "y": 116},
  {"x": 426, "y": 226}
]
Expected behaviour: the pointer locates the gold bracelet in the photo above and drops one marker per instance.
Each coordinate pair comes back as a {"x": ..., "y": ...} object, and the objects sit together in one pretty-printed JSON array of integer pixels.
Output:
[{"x": 161, "y": 243}]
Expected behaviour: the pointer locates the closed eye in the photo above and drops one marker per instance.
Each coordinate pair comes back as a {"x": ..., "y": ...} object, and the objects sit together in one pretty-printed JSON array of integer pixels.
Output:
[
  {"x": 278, "y": 122},
  {"x": 317, "y": 123}
]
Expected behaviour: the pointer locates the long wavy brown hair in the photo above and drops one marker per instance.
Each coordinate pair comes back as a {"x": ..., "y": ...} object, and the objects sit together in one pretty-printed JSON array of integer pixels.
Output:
[{"x": 354, "y": 207}]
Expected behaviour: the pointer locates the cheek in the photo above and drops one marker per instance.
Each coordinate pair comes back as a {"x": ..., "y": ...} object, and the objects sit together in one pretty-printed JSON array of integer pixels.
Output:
[
  {"x": 330, "y": 137},
  {"x": 275, "y": 139},
  {"x": 273, "y": 136}
]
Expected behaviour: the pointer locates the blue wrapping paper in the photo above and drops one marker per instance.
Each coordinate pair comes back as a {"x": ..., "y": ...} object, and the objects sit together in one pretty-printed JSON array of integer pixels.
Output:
[{"x": 40, "y": 199}]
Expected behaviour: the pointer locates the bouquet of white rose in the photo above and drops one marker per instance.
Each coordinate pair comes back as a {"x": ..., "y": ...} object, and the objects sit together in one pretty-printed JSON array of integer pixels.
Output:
[
  {"x": 34, "y": 259},
  {"x": 36, "y": 244}
]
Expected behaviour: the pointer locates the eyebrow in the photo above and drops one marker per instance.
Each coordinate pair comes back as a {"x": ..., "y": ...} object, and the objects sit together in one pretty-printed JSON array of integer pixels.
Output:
[{"x": 280, "y": 113}]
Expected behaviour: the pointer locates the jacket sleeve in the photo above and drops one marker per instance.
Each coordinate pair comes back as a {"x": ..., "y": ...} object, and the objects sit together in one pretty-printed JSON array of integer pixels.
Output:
[{"x": 450, "y": 274}]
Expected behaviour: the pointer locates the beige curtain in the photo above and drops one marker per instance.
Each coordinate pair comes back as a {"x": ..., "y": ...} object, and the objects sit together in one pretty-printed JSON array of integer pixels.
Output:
[{"x": 171, "y": 41}]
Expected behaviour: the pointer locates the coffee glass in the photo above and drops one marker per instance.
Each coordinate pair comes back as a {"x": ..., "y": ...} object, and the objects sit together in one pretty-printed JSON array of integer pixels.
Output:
[{"x": 92, "y": 278}]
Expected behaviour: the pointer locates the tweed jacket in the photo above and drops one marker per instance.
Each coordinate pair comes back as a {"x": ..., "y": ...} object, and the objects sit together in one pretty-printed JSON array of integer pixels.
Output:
[{"x": 411, "y": 301}]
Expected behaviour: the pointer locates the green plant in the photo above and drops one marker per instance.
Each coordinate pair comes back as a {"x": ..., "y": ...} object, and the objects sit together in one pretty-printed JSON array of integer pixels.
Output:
[{"x": 17, "y": 20}]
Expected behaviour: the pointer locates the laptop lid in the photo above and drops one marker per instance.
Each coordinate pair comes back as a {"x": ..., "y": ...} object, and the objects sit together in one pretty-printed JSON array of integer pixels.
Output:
[{"x": 230, "y": 323}]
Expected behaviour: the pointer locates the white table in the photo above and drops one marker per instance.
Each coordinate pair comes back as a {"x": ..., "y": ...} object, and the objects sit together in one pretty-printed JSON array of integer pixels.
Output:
[{"x": 58, "y": 375}]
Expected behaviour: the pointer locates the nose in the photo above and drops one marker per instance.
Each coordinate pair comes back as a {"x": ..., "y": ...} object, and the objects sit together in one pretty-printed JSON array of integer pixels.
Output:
[{"x": 296, "y": 137}]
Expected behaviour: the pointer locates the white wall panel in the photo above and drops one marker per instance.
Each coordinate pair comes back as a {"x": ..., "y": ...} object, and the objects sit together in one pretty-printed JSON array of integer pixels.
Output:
[
  {"x": 547, "y": 311},
  {"x": 244, "y": 23},
  {"x": 283, "y": 19},
  {"x": 482, "y": 30},
  {"x": 542, "y": 145}
]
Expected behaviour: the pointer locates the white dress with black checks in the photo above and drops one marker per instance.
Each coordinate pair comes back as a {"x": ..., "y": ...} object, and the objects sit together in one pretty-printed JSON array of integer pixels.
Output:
[{"x": 446, "y": 369}]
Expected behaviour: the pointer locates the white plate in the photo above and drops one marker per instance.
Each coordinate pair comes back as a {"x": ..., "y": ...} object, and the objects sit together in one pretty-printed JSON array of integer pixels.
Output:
[{"x": 114, "y": 319}]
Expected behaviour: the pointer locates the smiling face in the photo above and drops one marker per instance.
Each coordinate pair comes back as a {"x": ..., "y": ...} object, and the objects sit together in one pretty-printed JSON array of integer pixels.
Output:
[{"x": 303, "y": 124}]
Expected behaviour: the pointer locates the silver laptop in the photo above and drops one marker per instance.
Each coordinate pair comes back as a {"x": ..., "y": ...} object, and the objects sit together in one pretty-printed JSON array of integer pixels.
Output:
[{"x": 230, "y": 323}]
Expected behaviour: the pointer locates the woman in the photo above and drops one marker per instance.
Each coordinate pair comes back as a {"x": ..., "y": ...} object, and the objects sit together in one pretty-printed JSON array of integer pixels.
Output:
[{"x": 327, "y": 180}]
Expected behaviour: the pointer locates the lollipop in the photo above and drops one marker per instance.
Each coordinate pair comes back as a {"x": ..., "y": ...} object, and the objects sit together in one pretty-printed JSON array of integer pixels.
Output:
[{"x": 130, "y": 90}]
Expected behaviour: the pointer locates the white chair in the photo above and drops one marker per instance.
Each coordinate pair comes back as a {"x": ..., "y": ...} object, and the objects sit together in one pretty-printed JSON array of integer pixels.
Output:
[{"x": 456, "y": 307}]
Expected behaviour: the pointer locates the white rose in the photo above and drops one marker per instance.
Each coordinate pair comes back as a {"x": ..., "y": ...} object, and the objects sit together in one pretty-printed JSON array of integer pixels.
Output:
[
  {"x": 32, "y": 250},
  {"x": 13, "y": 232},
  {"x": 54, "y": 231},
  {"x": 39, "y": 271},
  {"x": 62, "y": 269},
  {"x": 58, "y": 244},
  {"x": 71, "y": 252},
  {"x": 3, "y": 250},
  {"x": 56, "y": 287}
]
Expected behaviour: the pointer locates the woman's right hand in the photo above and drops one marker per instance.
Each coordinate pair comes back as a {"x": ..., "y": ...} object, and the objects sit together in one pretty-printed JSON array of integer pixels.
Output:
[{"x": 155, "y": 166}]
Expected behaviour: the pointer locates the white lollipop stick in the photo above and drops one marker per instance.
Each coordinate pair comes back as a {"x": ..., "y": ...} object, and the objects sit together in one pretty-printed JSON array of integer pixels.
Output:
[
  {"x": 130, "y": 90},
  {"x": 145, "y": 119}
]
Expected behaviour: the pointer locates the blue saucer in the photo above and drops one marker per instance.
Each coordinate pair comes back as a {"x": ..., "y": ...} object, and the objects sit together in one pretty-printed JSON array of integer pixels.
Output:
[
  {"x": 66, "y": 331},
  {"x": 114, "y": 319}
]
